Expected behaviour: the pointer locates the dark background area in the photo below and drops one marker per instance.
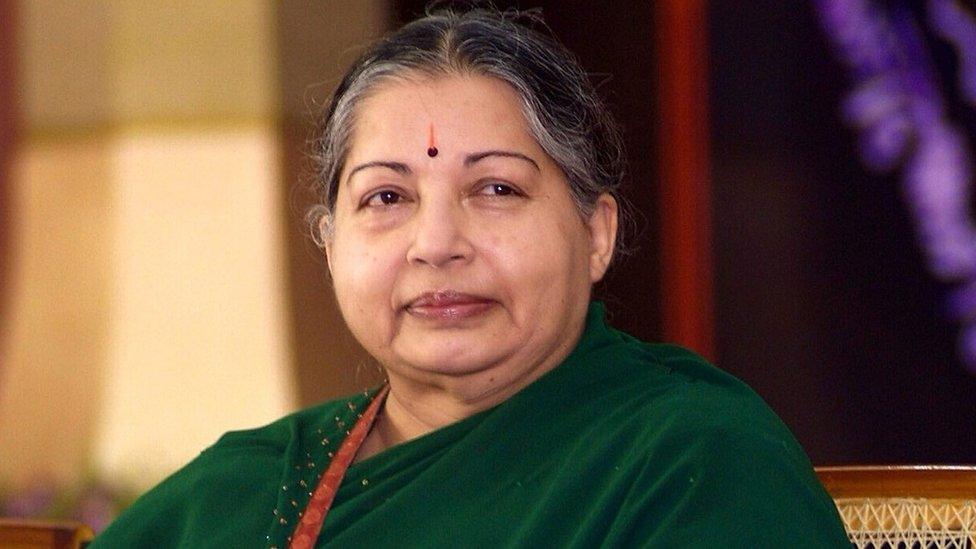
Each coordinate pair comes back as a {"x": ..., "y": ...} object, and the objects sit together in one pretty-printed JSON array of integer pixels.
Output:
[{"x": 823, "y": 301}]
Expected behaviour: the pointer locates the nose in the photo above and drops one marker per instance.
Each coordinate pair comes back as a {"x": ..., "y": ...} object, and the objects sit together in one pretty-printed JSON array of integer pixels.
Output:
[{"x": 439, "y": 236}]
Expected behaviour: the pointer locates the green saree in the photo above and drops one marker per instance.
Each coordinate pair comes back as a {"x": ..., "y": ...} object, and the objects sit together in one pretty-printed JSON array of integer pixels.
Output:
[{"x": 625, "y": 444}]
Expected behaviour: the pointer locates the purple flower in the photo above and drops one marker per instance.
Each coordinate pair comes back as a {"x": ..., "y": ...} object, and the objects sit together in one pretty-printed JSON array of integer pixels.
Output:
[
  {"x": 97, "y": 507},
  {"x": 33, "y": 502},
  {"x": 896, "y": 103}
]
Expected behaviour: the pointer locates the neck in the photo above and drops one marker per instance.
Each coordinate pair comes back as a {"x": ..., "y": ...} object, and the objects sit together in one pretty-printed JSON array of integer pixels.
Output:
[
  {"x": 405, "y": 418},
  {"x": 414, "y": 408},
  {"x": 408, "y": 413}
]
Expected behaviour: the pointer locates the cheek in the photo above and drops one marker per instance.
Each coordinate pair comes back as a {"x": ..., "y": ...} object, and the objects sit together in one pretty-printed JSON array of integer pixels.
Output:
[
  {"x": 362, "y": 278},
  {"x": 537, "y": 258}
]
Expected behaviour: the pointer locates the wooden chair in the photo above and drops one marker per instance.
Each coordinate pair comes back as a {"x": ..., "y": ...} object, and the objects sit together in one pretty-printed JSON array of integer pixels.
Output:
[
  {"x": 894, "y": 507},
  {"x": 43, "y": 534}
]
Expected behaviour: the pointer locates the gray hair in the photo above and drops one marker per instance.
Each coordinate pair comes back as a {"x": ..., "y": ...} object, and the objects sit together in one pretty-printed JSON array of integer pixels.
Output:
[{"x": 560, "y": 105}]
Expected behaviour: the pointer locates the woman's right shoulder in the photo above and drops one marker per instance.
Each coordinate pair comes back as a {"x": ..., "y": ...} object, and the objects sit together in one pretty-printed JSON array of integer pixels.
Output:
[
  {"x": 207, "y": 502},
  {"x": 284, "y": 431}
]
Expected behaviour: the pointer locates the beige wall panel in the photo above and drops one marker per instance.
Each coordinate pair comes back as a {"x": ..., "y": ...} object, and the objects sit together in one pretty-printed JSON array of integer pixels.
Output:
[
  {"x": 198, "y": 321},
  {"x": 178, "y": 59},
  {"x": 64, "y": 78},
  {"x": 56, "y": 342}
]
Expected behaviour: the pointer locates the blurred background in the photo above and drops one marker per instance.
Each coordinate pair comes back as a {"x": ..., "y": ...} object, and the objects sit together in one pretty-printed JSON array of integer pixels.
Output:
[{"x": 797, "y": 194}]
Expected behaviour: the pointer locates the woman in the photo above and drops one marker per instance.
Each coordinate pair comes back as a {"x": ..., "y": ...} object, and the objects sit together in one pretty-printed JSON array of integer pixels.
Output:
[{"x": 468, "y": 204}]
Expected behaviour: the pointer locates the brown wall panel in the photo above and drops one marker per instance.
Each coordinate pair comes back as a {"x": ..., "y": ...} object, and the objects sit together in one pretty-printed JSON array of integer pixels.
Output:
[
  {"x": 317, "y": 41},
  {"x": 8, "y": 143}
]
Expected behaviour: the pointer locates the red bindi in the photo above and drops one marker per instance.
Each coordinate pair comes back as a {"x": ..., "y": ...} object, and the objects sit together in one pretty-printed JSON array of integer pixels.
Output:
[{"x": 431, "y": 145}]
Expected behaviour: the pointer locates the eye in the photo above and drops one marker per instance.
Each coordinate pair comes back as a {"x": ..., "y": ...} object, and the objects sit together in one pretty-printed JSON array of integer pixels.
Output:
[
  {"x": 383, "y": 198},
  {"x": 498, "y": 189}
]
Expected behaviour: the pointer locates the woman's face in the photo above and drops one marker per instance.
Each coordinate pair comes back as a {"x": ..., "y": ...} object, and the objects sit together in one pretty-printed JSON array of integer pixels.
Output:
[{"x": 468, "y": 266}]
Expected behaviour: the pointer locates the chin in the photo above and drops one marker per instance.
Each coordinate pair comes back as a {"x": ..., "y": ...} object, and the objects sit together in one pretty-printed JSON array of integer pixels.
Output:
[{"x": 451, "y": 360}]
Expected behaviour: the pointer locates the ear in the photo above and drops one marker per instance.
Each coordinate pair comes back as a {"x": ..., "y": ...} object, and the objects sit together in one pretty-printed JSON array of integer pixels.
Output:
[
  {"x": 602, "y": 225},
  {"x": 328, "y": 257},
  {"x": 326, "y": 242}
]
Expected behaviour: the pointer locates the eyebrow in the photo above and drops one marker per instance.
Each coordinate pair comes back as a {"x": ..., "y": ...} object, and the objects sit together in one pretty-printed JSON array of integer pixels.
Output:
[
  {"x": 398, "y": 167},
  {"x": 475, "y": 157},
  {"x": 469, "y": 160}
]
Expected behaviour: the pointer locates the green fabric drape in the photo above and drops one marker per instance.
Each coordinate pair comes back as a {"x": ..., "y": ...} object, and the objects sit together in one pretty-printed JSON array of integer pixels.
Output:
[{"x": 625, "y": 444}]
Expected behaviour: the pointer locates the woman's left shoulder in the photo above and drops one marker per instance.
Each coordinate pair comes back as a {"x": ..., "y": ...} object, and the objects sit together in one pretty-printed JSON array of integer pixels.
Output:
[
  {"x": 678, "y": 382},
  {"x": 709, "y": 447},
  {"x": 676, "y": 399}
]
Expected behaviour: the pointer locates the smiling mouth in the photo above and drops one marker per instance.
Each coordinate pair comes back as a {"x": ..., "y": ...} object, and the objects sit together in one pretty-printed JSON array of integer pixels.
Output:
[{"x": 448, "y": 306}]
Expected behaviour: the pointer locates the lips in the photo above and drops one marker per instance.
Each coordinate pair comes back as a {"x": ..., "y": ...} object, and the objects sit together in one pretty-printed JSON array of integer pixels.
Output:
[{"x": 447, "y": 305}]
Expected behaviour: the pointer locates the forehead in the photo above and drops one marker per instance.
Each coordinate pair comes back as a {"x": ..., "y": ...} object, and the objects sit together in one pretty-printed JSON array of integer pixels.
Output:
[{"x": 464, "y": 112}]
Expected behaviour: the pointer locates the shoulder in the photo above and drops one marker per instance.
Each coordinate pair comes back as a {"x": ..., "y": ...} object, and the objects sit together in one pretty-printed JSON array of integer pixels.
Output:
[
  {"x": 710, "y": 402},
  {"x": 211, "y": 497},
  {"x": 674, "y": 391},
  {"x": 278, "y": 435},
  {"x": 687, "y": 407},
  {"x": 712, "y": 459}
]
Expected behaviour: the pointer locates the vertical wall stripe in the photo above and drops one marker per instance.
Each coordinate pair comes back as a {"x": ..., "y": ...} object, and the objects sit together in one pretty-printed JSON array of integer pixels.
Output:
[
  {"x": 687, "y": 304},
  {"x": 8, "y": 141},
  {"x": 316, "y": 43}
]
